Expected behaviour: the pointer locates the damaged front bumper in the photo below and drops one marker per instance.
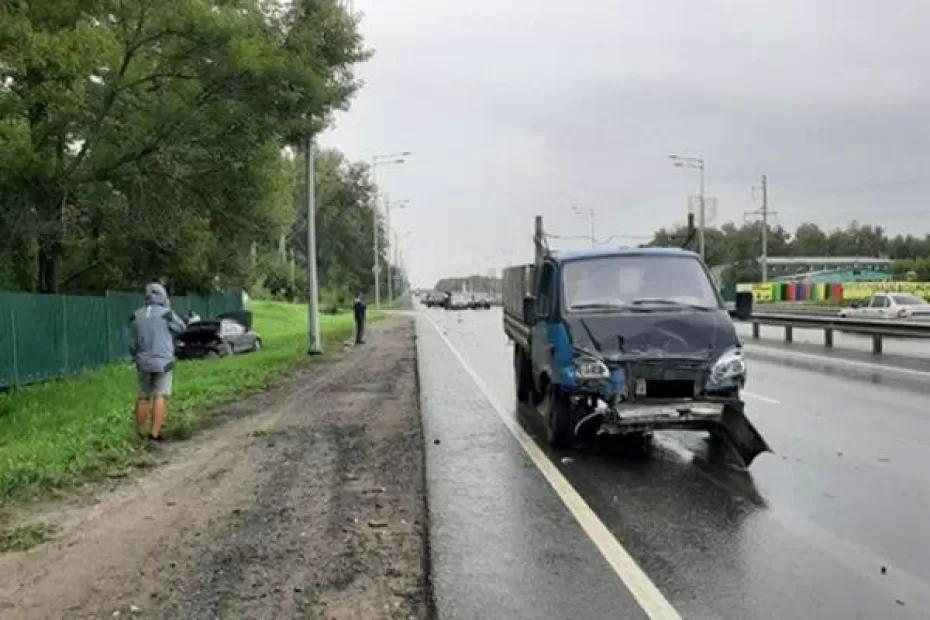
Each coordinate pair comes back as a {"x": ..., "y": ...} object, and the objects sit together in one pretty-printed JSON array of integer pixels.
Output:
[{"x": 722, "y": 418}]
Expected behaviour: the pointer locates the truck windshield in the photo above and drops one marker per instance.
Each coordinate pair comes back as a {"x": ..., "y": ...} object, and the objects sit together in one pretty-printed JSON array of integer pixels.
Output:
[{"x": 637, "y": 282}]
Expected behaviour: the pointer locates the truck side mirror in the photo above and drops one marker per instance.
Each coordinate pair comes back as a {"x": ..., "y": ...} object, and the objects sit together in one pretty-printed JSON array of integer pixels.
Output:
[
  {"x": 529, "y": 309},
  {"x": 743, "y": 308}
]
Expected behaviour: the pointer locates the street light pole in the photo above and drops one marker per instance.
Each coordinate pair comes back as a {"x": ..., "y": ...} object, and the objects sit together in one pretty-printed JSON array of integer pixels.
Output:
[
  {"x": 695, "y": 163},
  {"x": 592, "y": 228},
  {"x": 313, "y": 296},
  {"x": 375, "y": 266},
  {"x": 382, "y": 160},
  {"x": 578, "y": 210},
  {"x": 387, "y": 250}
]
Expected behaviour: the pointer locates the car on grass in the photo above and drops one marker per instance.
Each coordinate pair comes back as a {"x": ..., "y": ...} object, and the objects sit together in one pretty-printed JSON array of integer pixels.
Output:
[
  {"x": 227, "y": 334},
  {"x": 889, "y": 306}
]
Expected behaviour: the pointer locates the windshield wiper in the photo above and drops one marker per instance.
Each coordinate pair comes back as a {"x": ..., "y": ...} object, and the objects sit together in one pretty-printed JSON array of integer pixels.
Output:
[
  {"x": 659, "y": 301},
  {"x": 596, "y": 304}
]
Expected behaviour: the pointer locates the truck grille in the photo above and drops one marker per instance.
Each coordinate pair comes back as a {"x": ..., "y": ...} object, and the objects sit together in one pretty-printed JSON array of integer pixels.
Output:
[
  {"x": 674, "y": 388},
  {"x": 666, "y": 379}
]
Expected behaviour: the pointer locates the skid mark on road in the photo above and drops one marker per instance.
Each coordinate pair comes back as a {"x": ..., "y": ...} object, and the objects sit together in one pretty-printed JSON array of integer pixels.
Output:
[{"x": 647, "y": 595}]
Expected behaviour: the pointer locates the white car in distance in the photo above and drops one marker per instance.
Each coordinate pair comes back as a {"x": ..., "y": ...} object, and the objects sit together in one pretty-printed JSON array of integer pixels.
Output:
[{"x": 889, "y": 306}]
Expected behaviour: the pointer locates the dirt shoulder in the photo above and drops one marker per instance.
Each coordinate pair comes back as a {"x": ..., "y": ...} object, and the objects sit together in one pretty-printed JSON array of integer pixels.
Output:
[{"x": 307, "y": 501}]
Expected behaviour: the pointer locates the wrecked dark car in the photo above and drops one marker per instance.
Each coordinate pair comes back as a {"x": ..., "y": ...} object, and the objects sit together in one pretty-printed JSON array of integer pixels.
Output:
[
  {"x": 227, "y": 334},
  {"x": 627, "y": 342}
]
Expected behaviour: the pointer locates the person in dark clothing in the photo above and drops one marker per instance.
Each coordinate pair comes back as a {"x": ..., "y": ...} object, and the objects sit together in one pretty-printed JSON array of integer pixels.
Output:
[{"x": 360, "y": 309}]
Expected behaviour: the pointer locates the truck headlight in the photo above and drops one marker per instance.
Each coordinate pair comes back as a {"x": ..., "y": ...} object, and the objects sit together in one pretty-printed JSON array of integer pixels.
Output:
[
  {"x": 729, "y": 367},
  {"x": 591, "y": 368}
]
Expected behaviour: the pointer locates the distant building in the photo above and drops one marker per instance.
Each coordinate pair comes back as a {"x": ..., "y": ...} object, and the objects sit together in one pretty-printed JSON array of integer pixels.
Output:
[{"x": 829, "y": 268}]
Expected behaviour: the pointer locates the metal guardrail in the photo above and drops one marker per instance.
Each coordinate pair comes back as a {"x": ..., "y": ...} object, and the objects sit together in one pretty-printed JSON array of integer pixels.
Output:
[{"x": 876, "y": 328}]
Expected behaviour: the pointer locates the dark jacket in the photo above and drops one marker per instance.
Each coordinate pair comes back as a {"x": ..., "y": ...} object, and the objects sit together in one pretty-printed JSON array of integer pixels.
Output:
[
  {"x": 152, "y": 329},
  {"x": 360, "y": 309}
]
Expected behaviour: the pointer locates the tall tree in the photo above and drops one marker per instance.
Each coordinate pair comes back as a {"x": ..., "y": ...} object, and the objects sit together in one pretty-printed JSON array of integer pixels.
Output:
[{"x": 145, "y": 136}]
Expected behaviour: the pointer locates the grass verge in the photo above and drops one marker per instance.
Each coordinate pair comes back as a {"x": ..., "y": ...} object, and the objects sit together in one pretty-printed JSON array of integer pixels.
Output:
[
  {"x": 64, "y": 432},
  {"x": 24, "y": 537}
]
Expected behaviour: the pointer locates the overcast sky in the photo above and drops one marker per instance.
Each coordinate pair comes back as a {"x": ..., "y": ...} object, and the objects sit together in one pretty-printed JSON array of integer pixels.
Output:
[{"x": 514, "y": 108}]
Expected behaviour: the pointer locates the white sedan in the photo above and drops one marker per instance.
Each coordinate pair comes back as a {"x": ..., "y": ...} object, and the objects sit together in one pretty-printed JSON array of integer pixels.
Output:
[{"x": 890, "y": 306}]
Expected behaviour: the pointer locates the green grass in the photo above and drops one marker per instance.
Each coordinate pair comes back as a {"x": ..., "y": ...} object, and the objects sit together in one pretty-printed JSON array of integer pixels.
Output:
[
  {"x": 65, "y": 432},
  {"x": 24, "y": 537}
]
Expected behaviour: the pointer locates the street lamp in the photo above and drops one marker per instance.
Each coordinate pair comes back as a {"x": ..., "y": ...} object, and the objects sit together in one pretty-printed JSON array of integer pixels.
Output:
[
  {"x": 590, "y": 212},
  {"x": 695, "y": 163},
  {"x": 399, "y": 258},
  {"x": 397, "y": 204},
  {"x": 388, "y": 159}
]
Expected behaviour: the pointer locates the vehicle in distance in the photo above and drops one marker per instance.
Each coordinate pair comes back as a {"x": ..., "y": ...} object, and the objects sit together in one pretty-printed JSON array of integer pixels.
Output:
[
  {"x": 889, "y": 306},
  {"x": 480, "y": 301},
  {"x": 626, "y": 342},
  {"x": 458, "y": 301},
  {"x": 433, "y": 299},
  {"x": 227, "y": 334}
]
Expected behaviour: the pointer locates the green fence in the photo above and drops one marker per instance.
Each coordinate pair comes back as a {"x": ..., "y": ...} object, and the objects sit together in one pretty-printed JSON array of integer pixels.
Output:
[{"x": 47, "y": 336}]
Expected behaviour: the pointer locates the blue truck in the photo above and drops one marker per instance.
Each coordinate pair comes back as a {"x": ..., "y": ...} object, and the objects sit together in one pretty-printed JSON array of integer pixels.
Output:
[{"x": 626, "y": 342}]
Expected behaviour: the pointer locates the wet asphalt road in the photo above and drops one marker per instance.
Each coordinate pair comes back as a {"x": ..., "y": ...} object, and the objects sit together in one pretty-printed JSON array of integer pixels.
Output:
[{"x": 805, "y": 533}]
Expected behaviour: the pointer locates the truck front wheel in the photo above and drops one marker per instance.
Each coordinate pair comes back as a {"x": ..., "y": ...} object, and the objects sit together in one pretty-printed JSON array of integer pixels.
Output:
[{"x": 556, "y": 410}]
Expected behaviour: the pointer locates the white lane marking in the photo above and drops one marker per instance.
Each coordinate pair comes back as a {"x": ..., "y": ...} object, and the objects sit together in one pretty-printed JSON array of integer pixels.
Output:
[
  {"x": 834, "y": 360},
  {"x": 760, "y": 397},
  {"x": 650, "y": 599}
]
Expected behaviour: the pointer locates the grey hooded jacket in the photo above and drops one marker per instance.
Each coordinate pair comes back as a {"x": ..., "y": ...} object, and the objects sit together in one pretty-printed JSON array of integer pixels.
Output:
[{"x": 152, "y": 329}]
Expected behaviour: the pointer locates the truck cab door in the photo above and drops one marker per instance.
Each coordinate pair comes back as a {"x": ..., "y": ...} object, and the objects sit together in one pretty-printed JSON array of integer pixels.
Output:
[{"x": 541, "y": 347}]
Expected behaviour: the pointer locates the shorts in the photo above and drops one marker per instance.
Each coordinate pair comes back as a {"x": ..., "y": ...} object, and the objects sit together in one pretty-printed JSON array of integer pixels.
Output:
[{"x": 155, "y": 383}]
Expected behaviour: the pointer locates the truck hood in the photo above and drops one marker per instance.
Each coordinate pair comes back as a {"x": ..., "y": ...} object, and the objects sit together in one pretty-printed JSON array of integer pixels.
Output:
[{"x": 700, "y": 335}]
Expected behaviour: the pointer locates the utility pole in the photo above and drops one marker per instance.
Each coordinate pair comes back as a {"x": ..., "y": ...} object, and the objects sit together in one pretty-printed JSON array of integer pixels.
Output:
[
  {"x": 396, "y": 262},
  {"x": 313, "y": 297},
  {"x": 539, "y": 241},
  {"x": 765, "y": 229},
  {"x": 387, "y": 250},
  {"x": 376, "y": 270},
  {"x": 701, "y": 216},
  {"x": 764, "y": 213}
]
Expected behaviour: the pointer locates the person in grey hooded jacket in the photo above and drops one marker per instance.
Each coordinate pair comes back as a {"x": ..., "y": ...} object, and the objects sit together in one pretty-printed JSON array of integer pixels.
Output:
[{"x": 152, "y": 329}]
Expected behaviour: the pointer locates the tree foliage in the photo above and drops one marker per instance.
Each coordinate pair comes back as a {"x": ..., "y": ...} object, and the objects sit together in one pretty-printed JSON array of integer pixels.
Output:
[
  {"x": 147, "y": 137},
  {"x": 736, "y": 249}
]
